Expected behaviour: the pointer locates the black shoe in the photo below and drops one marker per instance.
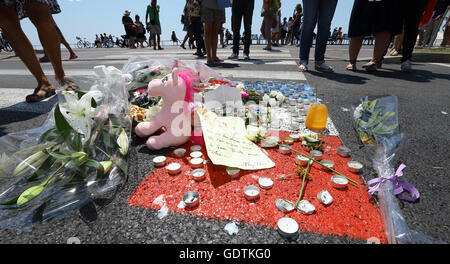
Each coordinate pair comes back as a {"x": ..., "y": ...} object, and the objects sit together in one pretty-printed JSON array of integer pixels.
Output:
[
  {"x": 246, "y": 56},
  {"x": 234, "y": 56}
]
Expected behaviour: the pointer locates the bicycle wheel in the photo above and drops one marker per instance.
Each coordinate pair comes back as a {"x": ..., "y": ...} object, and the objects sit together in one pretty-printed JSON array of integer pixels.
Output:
[
  {"x": 80, "y": 44},
  {"x": 88, "y": 44}
]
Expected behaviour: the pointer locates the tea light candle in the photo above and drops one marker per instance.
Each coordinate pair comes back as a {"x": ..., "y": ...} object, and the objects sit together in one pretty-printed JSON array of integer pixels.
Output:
[
  {"x": 251, "y": 193},
  {"x": 233, "y": 172},
  {"x": 325, "y": 197},
  {"x": 284, "y": 206},
  {"x": 284, "y": 150},
  {"x": 305, "y": 207},
  {"x": 179, "y": 153},
  {"x": 191, "y": 199},
  {"x": 288, "y": 141},
  {"x": 302, "y": 160},
  {"x": 295, "y": 137},
  {"x": 196, "y": 154},
  {"x": 354, "y": 166},
  {"x": 287, "y": 227},
  {"x": 265, "y": 183},
  {"x": 317, "y": 155},
  {"x": 196, "y": 163},
  {"x": 328, "y": 163},
  {"x": 199, "y": 174},
  {"x": 159, "y": 161},
  {"x": 174, "y": 168},
  {"x": 196, "y": 148},
  {"x": 339, "y": 182},
  {"x": 343, "y": 151}
]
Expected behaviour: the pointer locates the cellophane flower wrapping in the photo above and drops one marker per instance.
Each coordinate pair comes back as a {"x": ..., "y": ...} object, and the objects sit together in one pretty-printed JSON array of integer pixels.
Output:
[
  {"x": 376, "y": 122},
  {"x": 79, "y": 154}
]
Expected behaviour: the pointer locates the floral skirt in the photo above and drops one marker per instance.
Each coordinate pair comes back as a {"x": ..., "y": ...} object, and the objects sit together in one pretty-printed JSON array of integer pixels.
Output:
[{"x": 18, "y": 4}]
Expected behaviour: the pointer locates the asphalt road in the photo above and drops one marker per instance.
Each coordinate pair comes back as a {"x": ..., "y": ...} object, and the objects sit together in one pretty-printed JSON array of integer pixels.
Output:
[{"x": 423, "y": 107}]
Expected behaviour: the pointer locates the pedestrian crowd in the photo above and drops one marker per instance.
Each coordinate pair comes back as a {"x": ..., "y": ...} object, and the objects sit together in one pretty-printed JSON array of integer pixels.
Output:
[{"x": 203, "y": 20}]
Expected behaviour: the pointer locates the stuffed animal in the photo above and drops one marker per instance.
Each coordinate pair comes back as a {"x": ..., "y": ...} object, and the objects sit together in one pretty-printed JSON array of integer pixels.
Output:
[{"x": 176, "y": 90}]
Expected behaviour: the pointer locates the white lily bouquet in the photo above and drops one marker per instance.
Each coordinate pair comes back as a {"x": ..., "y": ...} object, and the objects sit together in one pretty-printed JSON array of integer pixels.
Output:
[{"x": 79, "y": 154}]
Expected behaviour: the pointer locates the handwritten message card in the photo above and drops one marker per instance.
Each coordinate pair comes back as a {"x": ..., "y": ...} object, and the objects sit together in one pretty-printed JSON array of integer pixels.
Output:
[{"x": 227, "y": 145}]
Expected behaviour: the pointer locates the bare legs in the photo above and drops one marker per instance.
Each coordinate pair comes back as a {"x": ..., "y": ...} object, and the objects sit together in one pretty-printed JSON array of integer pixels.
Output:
[
  {"x": 381, "y": 43},
  {"x": 10, "y": 24},
  {"x": 211, "y": 40},
  {"x": 266, "y": 29}
]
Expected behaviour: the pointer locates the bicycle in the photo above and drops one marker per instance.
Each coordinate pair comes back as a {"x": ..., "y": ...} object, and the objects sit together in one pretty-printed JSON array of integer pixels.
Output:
[{"x": 83, "y": 43}]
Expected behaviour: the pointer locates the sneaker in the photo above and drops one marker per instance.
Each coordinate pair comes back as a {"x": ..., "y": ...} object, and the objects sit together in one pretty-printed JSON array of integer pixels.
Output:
[
  {"x": 72, "y": 57},
  {"x": 406, "y": 66},
  {"x": 246, "y": 56},
  {"x": 234, "y": 56}
]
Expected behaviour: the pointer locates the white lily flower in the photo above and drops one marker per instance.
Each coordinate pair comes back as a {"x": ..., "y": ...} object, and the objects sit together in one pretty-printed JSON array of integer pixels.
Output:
[
  {"x": 273, "y": 93},
  {"x": 273, "y": 102},
  {"x": 266, "y": 98},
  {"x": 79, "y": 113},
  {"x": 280, "y": 97}
]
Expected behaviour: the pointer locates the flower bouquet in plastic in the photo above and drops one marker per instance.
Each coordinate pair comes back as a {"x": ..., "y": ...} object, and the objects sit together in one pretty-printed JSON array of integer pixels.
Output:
[
  {"x": 78, "y": 154},
  {"x": 376, "y": 123}
]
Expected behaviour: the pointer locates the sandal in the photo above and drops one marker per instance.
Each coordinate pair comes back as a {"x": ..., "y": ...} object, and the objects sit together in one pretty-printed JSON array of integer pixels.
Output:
[
  {"x": 323, "y": 67},
  {"x": 40, "y": 94},
  {"x": 303, "y": 67},
  {"x": 68, "y": 84},
  {"x": 218, "y": 60},
  {"x": 351, "y": 66},
  {"x": 370, "y": 67}
]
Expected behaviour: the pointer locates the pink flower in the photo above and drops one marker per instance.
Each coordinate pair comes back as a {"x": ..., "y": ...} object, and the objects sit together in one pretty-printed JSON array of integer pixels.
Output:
[{"x": 244, "y": 94}]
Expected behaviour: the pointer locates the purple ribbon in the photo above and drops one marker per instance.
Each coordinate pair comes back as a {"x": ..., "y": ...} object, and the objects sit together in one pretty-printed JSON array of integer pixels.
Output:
[{"x": 399, "y": 186}]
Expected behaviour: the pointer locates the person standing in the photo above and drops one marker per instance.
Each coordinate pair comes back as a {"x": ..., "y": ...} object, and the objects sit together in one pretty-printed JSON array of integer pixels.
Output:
[
  {"x": 434, "y": 25},
  {"x": 296, "y": 24},
  {"x": 412, "y": 15},
  {"x": 155, "y": 26},
  {"x": 195, "y": 23},
  {"x": 140, "y": 31},
  {"x": 284, "y": 31},
  {"x": 270, "y": 9},
  {"x": 380, "y": 18},
  {"x": 186, "y": 26},
  {"x": 130, "y": 29},
  {"x": 241, "y": 9},
  {"x": 40, "y": 14},
  {"x": 213, "y": 16},
  {"x": 446, "y": 39},
  {"x": 318, "y": 12}
]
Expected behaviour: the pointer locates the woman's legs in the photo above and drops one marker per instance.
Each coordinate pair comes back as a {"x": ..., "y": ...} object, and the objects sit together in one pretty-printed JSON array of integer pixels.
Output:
[
  {"x": 10, "y": 24},
  {"x": 209, "y": 31},
  {"x": 309, "y": 23},
  {"x": 353, "y": 51},
  {"x": 326, "y": 9},
  {"x": 215, "y": 41},
  {"x": 41, "y": 17},
  {"x": 382, "y": 40}
]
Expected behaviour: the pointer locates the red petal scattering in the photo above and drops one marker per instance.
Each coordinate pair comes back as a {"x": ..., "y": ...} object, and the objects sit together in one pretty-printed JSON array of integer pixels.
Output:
[{"x": 353, "y": 212}]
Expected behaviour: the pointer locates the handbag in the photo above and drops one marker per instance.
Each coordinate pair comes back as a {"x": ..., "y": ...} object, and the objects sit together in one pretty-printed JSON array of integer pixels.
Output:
[{"x": 224, "y": 3}]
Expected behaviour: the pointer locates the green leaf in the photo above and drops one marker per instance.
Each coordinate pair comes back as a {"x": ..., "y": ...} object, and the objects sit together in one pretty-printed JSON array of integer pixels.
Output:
[
  {"x": 60, "y": 122},
  {"x": 311, "y": 140},
  {"x": 94, "y": 164},
  {"x": 76, "y": 144},
  {"x": 58, "y": 155},
  {"x": 49, "y": 135},
  {"x": 30, "y": 194},
  {"x": 10, "y": 202}
]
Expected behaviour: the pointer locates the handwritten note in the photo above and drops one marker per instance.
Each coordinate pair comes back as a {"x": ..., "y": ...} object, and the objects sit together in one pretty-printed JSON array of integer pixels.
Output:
[{"x": 227, "y": 145}]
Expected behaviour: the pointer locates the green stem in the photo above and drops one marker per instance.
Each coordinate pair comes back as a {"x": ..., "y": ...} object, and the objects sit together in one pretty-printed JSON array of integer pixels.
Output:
[
  {"x": 106, "y": 154},
  {"x": 323, "y": 165},
  {"x": 303, "y": 183},
  {"x": 53, "y": 174}
]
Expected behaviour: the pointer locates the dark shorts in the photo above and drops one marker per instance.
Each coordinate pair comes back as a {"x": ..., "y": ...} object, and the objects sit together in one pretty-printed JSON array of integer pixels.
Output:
[
  {"x": 213, "y": 15},
  {"x": 18, "y": 4}
]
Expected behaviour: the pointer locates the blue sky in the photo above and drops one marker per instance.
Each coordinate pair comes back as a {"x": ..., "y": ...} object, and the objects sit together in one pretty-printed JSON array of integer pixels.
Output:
[{"x": 85, "y": 18}]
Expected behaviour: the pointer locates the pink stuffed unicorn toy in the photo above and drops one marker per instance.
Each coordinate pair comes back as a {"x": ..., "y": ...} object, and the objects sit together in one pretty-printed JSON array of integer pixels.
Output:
[{"x": 177, "y": 92}]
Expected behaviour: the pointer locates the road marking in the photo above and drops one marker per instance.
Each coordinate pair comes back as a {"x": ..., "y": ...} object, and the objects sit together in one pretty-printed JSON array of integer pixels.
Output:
[
  {"x": 227, "y": 62},
  {"x": 440, "y": 64}
]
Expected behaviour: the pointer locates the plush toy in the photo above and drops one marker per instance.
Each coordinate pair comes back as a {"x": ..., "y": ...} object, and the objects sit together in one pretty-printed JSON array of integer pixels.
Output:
[{"x": 176, "y": 90}]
